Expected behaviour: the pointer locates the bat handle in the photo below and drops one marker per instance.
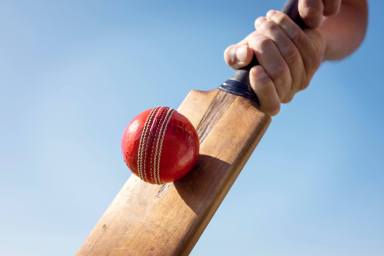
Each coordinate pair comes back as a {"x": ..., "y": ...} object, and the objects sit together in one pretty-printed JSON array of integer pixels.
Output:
[{"x": 239, "y": 84}]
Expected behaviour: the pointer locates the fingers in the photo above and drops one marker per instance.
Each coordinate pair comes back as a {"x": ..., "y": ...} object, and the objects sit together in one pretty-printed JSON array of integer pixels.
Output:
[
  {"x": 238, "y": 56},
  {"x": 273, "y": 63},
  {"x": 288, "y": 56},
  {"x": 287, "y": 49},
  {"x": 265, "y": 90},
  {"x": 308, "y": 52}
]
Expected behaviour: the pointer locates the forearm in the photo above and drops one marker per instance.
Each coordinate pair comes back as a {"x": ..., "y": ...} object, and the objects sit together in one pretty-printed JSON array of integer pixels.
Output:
[{"x": 344, "y": 32}]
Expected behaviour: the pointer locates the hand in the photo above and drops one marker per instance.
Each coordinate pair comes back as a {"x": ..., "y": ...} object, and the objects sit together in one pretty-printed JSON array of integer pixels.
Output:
[
  {"x": 313, "y": 11},
  {"x": 288, "y": 58}
]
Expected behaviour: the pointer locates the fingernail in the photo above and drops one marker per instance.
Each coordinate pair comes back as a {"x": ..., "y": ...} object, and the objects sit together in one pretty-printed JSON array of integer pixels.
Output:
[
  {"x": 242, "y": 53},
  {"x": 259, "y": 21},
  {"x": 230, "y": 53},
  {"x": 270, "y": 13}
]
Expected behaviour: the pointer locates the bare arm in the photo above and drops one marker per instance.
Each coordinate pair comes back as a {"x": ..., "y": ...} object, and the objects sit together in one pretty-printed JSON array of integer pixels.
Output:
[{"x": 345, "y": 31}]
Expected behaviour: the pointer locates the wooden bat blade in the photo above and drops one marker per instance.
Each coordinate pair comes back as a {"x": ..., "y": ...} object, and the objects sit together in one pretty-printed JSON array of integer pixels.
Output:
[{"x": 147, "y": 219}]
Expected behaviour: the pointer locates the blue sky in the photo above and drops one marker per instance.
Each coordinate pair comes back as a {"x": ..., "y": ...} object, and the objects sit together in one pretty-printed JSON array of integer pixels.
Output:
[{"x": 73, "y": 73}]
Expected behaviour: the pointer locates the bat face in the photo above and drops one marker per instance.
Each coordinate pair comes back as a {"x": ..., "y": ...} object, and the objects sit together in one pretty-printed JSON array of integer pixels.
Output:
[{"x": 147, "y": 219}]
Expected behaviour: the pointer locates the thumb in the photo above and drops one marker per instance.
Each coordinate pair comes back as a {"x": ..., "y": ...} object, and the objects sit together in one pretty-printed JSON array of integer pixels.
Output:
[{"x": 311, "y": 11}]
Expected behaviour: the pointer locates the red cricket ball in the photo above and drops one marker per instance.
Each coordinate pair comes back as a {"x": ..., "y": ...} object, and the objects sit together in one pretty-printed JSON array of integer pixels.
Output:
[{"x": 160, "y": 145}]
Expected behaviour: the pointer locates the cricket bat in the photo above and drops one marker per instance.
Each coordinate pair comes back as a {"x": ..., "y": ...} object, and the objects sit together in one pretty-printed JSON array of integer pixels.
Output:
[{"x": 146, "y": 219}]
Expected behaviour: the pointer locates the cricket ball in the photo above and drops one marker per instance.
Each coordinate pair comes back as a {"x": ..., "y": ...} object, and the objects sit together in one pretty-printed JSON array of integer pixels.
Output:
[{"x": 160, "y": 145}]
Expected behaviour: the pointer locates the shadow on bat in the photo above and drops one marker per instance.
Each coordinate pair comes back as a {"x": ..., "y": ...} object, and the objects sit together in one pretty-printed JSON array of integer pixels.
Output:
[{"x": 197, "y": 195}]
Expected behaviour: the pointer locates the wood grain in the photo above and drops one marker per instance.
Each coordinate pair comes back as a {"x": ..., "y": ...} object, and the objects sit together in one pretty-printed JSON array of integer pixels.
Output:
[{"x": 147, "y": 219}]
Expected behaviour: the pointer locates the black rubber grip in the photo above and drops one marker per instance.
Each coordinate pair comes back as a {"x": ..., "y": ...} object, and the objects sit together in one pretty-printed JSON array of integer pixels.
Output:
[{"x": 239, "y": 83}]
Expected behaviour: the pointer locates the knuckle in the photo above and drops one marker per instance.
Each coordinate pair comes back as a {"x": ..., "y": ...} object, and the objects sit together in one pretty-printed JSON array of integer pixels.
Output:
[
  {"x": 303, "y": 84},
  {"x": 258, "y": 74},
  {"x": 287, "y": 99},
  {"x": 279, "y": 71},
  {"x": 259, "y": 21},
  {"x": 290, "y": 53},
  {"x": 296, "y": 36},
  {"x": 273, "y": 109},
  {"x": 264, "y": 42},
  {"x": 280, "y": 19},
  {"x": 282, "y": 80},
  {"x": 269, "y": 25},
  {"x": 276, "y": 16},
  {"x": 273, "y": 28},
  {"x": 297, "y": 84},
  {"x": 253, "y": 38}
]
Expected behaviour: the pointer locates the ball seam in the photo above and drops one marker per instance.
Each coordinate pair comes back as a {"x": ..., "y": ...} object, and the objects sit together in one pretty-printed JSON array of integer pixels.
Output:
[
  {"x": 142, "y": 145},
  {"x": 159, "y": 145}
]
